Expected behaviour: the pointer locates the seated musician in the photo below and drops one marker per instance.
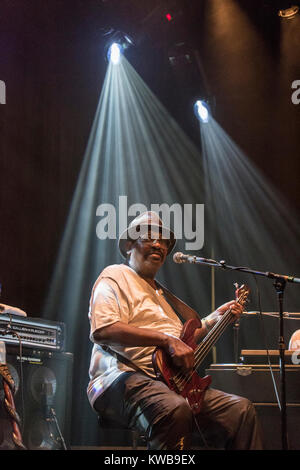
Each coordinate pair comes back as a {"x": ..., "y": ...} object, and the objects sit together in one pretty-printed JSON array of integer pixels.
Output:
[{"x": 130, "y": 317}]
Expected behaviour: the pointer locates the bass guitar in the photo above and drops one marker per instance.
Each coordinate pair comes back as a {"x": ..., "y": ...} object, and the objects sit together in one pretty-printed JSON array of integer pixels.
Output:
[{"x": 190, "y": 385}]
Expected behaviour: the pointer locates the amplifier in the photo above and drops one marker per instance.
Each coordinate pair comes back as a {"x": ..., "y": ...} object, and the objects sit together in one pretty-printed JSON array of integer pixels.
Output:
[
  {"x": 254, "y": 381},
  {"x": 263, "y": 356},
  {"x": 32, "y": 332}
]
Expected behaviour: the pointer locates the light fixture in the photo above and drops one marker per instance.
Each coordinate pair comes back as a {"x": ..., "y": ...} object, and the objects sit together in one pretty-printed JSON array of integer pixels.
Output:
[
  {"x": 114, "y": 53},
  {"x": 289, "y": 13},
  {"x": 202, "y": 110},
  {"x": 116, "y": 45}
]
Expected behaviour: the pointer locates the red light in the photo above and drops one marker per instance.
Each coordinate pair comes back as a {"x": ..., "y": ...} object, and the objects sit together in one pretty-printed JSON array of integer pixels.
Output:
[{"x": 169, "y": 17}]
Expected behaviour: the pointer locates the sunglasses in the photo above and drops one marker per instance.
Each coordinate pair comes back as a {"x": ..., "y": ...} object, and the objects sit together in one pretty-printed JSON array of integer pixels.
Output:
[{"x": 151, "y": 241}]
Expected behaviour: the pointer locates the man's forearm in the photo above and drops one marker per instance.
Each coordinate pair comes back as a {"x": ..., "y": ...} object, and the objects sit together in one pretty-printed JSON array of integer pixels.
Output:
[
  {"x": 121, "y": 334},
  {"x": 207, "y": 324},
  {"x": 210, "y": 320},
  {"x": 234, "y": 307}
]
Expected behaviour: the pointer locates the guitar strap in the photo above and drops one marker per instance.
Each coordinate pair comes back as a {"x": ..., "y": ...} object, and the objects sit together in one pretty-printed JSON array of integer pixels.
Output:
[{"x": 180, "y": 307}]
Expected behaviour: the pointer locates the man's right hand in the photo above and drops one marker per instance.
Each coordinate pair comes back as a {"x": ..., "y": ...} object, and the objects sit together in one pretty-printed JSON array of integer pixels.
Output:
[{"x": 182, "y": 355}]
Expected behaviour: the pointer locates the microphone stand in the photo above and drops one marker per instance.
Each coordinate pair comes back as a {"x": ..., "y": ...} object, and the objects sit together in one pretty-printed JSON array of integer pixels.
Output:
[
  {"x": 50, "y": 414},
  {"x": 236, "y": 327},
  {"x": 279, "y": 284}
]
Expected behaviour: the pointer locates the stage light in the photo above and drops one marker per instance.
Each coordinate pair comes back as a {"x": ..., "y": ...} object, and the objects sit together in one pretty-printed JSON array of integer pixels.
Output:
[
  {"x": 114, "y": 53},
  {"x": 289, "y": 13},
  {"x": 202, "y": 110},
  {"x": 169, "y": 17}
]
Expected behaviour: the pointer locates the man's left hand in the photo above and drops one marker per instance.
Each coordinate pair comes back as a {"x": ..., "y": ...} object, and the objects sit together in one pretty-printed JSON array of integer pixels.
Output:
[
  {"x": 235, "y": 308},
  {"x": 215, "y": 316}
]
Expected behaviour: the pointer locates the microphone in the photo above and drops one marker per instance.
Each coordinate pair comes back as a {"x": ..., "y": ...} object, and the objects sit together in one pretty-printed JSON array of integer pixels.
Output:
[
  {"x": 7, "y": 309},
  {"x": 181, "y": 258}
]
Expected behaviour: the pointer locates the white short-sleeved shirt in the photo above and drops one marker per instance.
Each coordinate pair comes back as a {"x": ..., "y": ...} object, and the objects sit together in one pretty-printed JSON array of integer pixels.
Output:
[{"x": 120, "y": 294}]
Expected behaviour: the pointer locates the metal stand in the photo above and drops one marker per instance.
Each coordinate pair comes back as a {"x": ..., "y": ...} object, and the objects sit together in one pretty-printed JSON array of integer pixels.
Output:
[
  {"x": 50, "y": 416},
  {"x": 236, "y": 328},
  {"x": 279, "y": 285},
  {"x": 53, "y": 419},
  {"x": 280, "y": 282}
]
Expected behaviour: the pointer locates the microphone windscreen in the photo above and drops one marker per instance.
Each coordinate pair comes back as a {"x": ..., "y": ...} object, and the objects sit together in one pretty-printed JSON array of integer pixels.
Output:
[{"x": 178, "y": 257}]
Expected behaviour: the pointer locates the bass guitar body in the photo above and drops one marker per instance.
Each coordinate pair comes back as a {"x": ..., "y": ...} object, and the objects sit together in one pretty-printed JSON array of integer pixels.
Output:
[{"x": 189, "y": 385}]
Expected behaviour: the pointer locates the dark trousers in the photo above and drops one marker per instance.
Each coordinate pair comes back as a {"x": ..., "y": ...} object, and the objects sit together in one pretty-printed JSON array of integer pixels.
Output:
[{"x": 136, "y": 401}]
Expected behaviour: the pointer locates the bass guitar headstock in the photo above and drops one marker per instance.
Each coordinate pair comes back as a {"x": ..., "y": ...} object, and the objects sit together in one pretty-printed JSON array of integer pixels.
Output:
[{"x": 241, "y": 293}]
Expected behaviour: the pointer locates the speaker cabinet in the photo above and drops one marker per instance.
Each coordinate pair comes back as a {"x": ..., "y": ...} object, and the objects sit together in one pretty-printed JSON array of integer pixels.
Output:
[{"x": 43, "y": 397}]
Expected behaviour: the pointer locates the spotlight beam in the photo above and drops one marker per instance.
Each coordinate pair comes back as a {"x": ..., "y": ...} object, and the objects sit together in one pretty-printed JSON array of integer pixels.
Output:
[{"x": 249, "y": 219}]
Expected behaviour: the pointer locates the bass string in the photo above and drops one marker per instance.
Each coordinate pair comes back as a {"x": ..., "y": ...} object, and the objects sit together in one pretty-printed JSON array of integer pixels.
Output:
[
  {"x": 218, "y": 328},
  {"x": 201, "y": 353},
  {"x": 182, "y": 378},
  {"x": 214, "y": 334},
  {"x": 208, "y": 342}
]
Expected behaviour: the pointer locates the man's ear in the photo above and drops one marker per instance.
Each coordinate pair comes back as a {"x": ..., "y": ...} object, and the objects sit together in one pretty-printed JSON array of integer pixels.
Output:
[{"x": 128, "y": 247}]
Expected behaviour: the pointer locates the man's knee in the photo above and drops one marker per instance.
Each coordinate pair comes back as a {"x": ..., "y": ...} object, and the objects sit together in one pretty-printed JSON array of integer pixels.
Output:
[
  {"x": 246, "y": 407},
  {"x": 175, "y": 429}
]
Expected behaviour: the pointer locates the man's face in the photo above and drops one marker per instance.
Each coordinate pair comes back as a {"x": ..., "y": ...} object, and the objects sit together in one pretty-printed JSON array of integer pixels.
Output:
[{"x": 148, "y": 254}]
